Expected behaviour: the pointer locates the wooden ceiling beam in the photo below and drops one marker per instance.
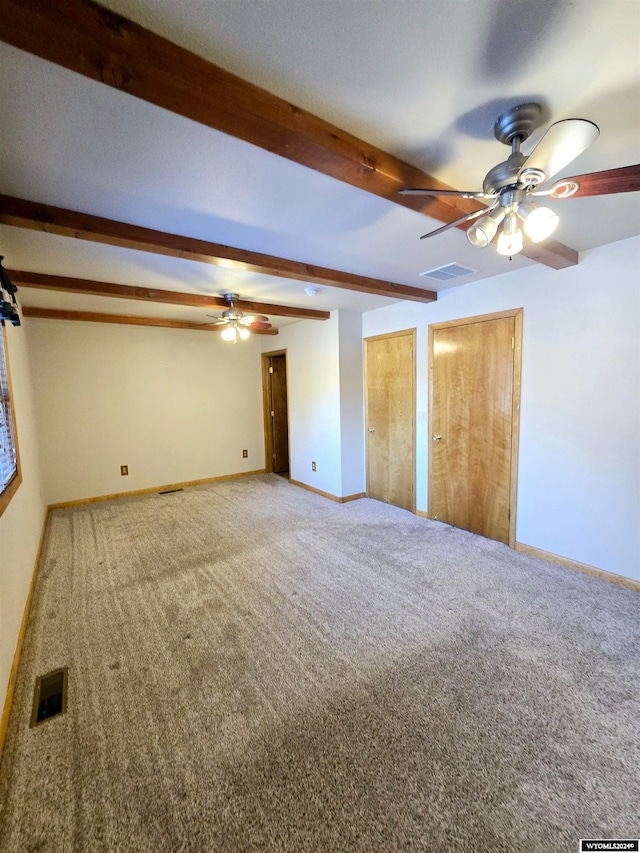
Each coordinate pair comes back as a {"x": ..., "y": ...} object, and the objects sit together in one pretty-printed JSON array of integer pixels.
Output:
[
  {"x": 64, "y": 284},
  {"x": 123, "y": 319},
  {"x": 70, "y": 223},
  {"x": 87, "y": 38}
]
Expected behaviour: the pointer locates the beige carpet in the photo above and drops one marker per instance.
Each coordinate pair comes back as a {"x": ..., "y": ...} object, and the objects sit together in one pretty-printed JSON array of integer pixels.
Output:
[{"x": 255, "y": 668}]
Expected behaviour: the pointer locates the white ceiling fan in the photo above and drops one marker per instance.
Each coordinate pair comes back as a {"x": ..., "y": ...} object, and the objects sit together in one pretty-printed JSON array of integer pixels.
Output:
[
  {"x": 511, "y": 188},
  {"x": 238, "y": 325}
]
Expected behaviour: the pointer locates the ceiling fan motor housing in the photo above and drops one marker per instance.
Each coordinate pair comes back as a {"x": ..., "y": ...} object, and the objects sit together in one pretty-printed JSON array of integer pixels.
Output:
[
  {"x": 517, "y": 123},
  {"x": 512, "y": 128},
  {"x": 232, "y": 314},
  {"x": 504, "y": 174}
]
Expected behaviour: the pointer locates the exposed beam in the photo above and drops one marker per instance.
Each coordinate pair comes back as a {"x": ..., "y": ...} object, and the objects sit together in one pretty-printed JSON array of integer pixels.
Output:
[
  {"x": 86, "y": 38},
  {"x": 64, "y": 284},
  {"x": 551, "y": 253},
  {"x": 123, "y": 319},
  {"x": 70, "y": 223}
]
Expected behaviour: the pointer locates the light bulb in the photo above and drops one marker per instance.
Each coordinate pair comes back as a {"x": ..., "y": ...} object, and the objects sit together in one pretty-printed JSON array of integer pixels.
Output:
[
  {"x": 540, "y": 223},
  {"x": 509, "y": 244},
  {"x": 243, "y": 332},
  {"x": 510, "y": 241},
  {"x": 229, "y": 334}
]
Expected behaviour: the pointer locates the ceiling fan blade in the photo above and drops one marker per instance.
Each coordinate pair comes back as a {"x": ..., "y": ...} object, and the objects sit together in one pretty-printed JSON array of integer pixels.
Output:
[
  {"x": 561, "y": 144},
  {"x": 623, "y": 180},
  {"x": 458, "y": 193},
  {"x": 259, "y": 325},
  {"x": 248, "y": 319},
  {"x": 462, "y": 219}
]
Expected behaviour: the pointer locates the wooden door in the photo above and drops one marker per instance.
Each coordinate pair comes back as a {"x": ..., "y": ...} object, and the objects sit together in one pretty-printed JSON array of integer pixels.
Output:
[
  {"x": 274, "y": 378},
  {"x": 280, "y": 419},
  {"x": 475, "y": 385},
  {"x": 390, "y": 406}
]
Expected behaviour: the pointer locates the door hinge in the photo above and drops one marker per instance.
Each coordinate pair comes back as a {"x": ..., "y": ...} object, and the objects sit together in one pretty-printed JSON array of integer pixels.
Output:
[
  {"x": 273, "y": 414},
  {"x": 271, "y": 370},
  {"x": 410, "y": 354},
  {"x": 513, "y": 343}
]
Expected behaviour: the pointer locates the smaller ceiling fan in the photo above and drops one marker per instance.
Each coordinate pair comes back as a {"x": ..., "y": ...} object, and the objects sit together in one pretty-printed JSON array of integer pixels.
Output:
[
  {"x": 238, "y": 325},
  {"x": 510, "y": 187}
]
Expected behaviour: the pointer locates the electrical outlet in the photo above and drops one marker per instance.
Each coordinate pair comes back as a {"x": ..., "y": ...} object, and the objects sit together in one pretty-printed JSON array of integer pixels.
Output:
[
  {"x": 124, "y": 470},
  {"x": 245, "y": 453},
  {"x": 313, "y": 466}
]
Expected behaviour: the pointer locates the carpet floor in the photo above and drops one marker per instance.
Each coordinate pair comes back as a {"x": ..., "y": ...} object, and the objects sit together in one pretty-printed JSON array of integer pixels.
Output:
[{"x": 255, "y": 668}]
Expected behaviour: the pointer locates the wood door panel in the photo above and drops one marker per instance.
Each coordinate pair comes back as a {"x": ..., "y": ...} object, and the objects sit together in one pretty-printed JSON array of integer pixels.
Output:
[
  {"x": 275, "y": 412},
  {"x": 280, "y": 417},
  {"x": 472, "y": 405},
  {"x": 390, "y": 382}
]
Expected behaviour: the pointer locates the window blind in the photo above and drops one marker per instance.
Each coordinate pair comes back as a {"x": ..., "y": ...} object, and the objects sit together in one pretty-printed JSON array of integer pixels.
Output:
[{"x": 8, "y": 459}]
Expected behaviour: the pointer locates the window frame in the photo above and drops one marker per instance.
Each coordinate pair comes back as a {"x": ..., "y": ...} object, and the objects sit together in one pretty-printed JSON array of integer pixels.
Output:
[{"x": 12, "y": 486}]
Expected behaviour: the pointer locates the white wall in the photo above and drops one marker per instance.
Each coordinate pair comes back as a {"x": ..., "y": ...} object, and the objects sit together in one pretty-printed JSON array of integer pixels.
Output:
[
  {"x": 326, "y": 409},
  {"x": 22, "y": 522},
  {"x": 579, "y": 460},
  {"x": 313, "y": 385},
  {"x": 351, "y": 403},
  {"x": 174, "y": 405}
]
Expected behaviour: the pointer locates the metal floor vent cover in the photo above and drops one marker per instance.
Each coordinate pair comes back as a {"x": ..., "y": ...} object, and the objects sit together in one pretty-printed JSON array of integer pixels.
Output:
[
  {"x": 49, "y": 696},
  {"x": 447, "y": 272}
]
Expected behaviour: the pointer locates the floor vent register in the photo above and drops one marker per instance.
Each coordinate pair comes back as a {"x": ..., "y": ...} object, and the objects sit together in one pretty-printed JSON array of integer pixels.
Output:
[{"x": 49, "y": 696}]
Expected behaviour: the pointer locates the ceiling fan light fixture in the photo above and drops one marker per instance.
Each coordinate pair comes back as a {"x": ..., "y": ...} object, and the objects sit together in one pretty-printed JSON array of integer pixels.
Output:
[
  {"x": 510, "y": 241},
  {"x": 512, "y": 182},
  {"x": 482, "y": 232},
  {"x": 243, "y": 332},
  {"x": 539, "y": 222},
  {"x": 229, "y": 334}
]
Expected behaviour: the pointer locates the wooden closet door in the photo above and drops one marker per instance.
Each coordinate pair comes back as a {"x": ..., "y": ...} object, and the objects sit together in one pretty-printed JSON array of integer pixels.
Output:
[
  {"x": 471, "y": 442},
  {"x": 390, "y": 404}
]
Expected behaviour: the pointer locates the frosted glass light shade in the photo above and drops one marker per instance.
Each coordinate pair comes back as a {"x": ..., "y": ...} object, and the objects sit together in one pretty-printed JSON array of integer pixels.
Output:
[
  {"x": 510, "y": 241},
  {"x": 229, "y": 334},
  {"x": 482, "y": 232},
  {"x": 243, "y": 332},
  {"x": 540, "y": 224}
]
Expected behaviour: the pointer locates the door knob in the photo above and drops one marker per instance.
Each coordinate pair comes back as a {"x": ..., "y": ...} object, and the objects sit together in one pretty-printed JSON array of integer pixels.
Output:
[
  {"x": 371, "y": 429},
  {"x": 436, "y": 437}
]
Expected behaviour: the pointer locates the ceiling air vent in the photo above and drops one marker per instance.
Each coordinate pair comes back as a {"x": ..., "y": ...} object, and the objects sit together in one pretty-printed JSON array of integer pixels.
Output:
[{"x": 447, "y": 272}]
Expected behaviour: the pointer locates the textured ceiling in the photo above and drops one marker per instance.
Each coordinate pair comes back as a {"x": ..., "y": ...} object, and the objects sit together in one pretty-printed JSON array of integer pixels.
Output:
[{"x": 424, "y": 81}]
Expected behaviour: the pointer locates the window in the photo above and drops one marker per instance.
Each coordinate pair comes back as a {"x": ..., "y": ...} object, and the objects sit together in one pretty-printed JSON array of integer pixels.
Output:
[{"x": 10, "y": 477}]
